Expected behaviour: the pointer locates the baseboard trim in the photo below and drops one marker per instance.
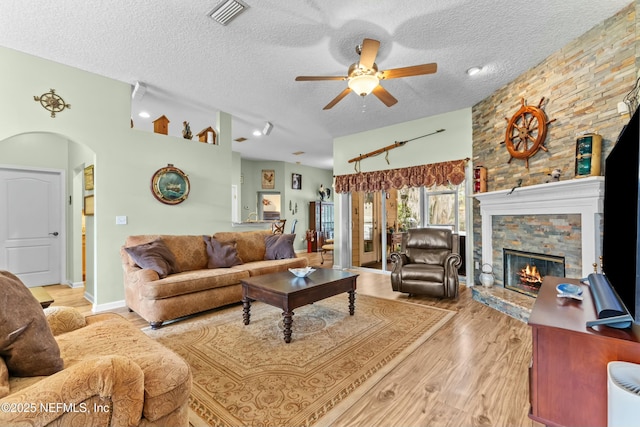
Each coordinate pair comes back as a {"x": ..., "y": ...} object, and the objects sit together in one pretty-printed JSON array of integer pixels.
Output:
[
  {"x": 88, "y": 297},
  {"x": 75, "y": 285},
  {"x": 97, "y": 308}
]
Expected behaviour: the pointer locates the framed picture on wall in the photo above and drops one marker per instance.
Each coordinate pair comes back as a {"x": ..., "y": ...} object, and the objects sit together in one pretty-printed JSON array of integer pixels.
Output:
[
  {"x": 268, "y": 179},
  {"x": 296, "y": 181},
  {"x": 88, "y": 205},
  {"x": 88, "y": 178}
]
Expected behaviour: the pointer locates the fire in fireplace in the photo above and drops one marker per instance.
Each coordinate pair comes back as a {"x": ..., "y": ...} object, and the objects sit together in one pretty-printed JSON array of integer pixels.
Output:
[{"x": 524, "y": 271}]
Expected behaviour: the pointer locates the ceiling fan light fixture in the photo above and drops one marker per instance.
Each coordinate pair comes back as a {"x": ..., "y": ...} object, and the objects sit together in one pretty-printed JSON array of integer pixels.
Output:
[{"x": 363, "y": 84}]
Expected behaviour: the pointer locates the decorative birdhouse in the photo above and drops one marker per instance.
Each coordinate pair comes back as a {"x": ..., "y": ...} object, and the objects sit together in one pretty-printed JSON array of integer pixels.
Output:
[
  {"x": 161, "y": 125},
  {"x": 208, "y": 136}
]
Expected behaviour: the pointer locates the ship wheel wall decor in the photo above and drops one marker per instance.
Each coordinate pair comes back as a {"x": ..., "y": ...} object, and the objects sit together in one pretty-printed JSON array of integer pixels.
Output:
[{"x": 526, "y": 132}]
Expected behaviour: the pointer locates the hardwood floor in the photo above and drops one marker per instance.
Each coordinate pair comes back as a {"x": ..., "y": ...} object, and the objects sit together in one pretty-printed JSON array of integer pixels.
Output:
[{"x": 472, "y": 372}]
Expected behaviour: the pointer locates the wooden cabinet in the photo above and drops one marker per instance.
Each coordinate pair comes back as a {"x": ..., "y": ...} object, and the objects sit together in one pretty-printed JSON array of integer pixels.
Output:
[
  {"x": 321, "y": 221},
  {"x": 568, "y": 373}
]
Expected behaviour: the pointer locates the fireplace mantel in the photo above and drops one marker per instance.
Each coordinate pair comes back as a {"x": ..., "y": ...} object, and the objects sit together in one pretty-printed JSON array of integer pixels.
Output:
[{"x": 582, "y": 196}]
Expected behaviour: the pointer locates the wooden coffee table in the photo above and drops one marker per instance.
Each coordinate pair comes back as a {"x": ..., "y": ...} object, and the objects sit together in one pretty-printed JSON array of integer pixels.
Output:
[{"x": 286, "y": 291}]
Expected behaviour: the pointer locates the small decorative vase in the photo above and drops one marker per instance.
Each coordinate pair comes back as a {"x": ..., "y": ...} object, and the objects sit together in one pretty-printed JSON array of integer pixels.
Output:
[{"x": 486, "y": 277}]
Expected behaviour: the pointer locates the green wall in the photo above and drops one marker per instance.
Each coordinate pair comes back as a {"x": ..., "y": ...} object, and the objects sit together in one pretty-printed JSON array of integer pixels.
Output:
[
  {"x": 96, "y": 130},
  {"x": 454, "y": 143},
  {"x": 311, "y": 180},
  {"x": 125, "y": 159}
]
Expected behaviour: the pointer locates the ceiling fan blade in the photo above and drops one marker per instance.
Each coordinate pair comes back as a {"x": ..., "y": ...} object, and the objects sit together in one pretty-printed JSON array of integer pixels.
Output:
[
  {"x": 415, "y": 70},
  {"x": 315, "y": 78},
  {"x": 337, "y": 99},
  {"x": 384, "y": 96},
  {"x": 369, "y": 52}
]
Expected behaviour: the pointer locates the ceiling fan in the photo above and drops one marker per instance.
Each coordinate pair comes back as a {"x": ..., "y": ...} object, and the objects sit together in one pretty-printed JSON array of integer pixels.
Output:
[{"x": 364, "y": 78}]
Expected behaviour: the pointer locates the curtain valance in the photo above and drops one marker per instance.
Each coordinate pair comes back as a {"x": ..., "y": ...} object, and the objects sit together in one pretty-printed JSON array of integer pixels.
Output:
[{"x": 414, "y": 176}]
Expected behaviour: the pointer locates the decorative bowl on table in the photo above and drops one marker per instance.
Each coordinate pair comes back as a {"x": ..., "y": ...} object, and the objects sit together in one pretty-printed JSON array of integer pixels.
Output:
[
  {"x": 568, "y": 288},
  {"x": 302, "y": 272}
]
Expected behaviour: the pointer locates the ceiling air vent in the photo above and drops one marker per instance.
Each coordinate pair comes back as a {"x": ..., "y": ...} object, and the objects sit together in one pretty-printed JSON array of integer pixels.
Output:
[{"x": 226, "y": 10}]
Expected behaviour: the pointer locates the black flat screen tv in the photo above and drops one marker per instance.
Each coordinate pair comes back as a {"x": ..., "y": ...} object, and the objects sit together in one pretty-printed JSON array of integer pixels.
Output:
[{"x": 621, "y": 218}]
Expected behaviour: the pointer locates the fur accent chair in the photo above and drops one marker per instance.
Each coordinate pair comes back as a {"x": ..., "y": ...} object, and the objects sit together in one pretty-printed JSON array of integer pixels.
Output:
[{"x": 113, "y": 374}]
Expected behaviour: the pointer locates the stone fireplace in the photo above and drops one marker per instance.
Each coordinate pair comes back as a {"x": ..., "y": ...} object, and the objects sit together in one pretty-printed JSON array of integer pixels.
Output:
[
  {"x": 524, "y": 271},
  {"x": 556, "y": 219}
]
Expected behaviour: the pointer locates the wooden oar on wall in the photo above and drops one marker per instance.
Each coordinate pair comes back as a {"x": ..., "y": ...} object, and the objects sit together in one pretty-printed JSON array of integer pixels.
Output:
[{"x": 387, "y": 149}]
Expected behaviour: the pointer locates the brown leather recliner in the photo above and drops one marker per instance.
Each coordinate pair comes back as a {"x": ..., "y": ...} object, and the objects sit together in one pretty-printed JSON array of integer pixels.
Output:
[{"x": 428, "y": 263}]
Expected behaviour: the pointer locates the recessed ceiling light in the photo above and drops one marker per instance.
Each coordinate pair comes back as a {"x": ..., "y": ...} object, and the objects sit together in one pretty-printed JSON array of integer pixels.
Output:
[
  {"x": 144, "y": 114},
  {"x": 257, "y": 133},
  {"x": 474, "y": 70}
]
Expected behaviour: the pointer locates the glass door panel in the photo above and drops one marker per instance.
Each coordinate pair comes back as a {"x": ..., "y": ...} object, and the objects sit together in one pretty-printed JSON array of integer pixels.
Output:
[{"x": 370, "y": 232}]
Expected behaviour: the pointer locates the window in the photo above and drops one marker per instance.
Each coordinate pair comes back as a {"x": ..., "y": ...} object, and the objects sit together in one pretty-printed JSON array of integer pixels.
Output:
[
  {"x": 439, "y": 206},
  {"x": 445, "y": 206}
]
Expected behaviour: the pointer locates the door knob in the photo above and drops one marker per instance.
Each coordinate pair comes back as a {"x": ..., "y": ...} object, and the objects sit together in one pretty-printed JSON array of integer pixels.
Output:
[{"x": 55, "y": 233}]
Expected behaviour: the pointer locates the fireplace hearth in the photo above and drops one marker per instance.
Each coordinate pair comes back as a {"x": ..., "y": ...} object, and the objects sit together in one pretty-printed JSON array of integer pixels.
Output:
[{"x": 524, "y": 271}]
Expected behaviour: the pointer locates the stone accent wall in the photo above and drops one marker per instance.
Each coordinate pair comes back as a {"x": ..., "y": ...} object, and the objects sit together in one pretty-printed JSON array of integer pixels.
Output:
[{"x": 582, "y": 84}]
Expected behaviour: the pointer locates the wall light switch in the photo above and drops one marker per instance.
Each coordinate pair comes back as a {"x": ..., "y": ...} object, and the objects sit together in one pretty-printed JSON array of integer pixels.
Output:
[{"x": 121, "y": 220}]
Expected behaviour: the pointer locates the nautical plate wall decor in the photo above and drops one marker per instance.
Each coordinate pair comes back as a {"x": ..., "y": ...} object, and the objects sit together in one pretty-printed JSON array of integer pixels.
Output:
[{"x": 170, "y": 185}]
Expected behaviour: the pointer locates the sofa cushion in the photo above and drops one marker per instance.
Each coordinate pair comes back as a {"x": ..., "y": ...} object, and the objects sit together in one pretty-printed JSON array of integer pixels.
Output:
[
  {"x": 64, "y": 319},
  {"x": 250, "y": 244},
  {"x": 279, "y": 246},
  {"x": 26, "y": 342},
  {"x": 155, "y": 256},
  {"x": 221, "y": 255},
  {"x": 191, "y": 281}
]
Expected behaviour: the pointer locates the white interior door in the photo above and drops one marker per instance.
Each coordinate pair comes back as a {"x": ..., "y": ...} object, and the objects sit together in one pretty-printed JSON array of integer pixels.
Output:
[{"x": 31, "y": 225}]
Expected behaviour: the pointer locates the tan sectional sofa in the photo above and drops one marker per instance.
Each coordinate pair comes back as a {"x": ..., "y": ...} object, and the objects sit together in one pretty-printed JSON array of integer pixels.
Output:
[{"x": 195, "y": 287}]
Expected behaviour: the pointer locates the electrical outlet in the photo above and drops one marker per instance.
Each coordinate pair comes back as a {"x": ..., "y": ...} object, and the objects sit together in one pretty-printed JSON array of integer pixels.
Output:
[
  {"x": 121, "y": 220},
  {"x": 477, "y": 265}
]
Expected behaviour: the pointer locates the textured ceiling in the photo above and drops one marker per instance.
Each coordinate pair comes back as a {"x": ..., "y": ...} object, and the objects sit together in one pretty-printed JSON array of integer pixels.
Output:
[{"x": 194, "y": 67}]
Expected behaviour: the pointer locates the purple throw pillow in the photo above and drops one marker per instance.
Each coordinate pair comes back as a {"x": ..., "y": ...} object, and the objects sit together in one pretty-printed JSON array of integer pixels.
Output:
[
  {"x": 155, "y": 256},
  {"x": 221, "y": 255},
  {"x": 279, "y": 246}
]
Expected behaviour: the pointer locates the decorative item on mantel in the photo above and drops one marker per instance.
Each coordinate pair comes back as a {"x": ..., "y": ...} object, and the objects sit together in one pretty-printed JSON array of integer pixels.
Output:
[
  {"x": 161, "y": 125},
  {"x": 555, "y": 175},
  {"x": 186, "y": 130},
  {"x": 208, "y": 136},
  {"x": 479, "y": 179},
  {"x": 588, "y": 155}
]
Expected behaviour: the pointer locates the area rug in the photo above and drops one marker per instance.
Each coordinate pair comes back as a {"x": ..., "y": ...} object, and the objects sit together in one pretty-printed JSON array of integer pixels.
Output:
[{"x": 248, "y": 376}]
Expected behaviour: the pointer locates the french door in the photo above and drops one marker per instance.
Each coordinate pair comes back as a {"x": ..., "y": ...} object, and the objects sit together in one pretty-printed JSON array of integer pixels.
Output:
[{"x": 366, "y": 231}]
